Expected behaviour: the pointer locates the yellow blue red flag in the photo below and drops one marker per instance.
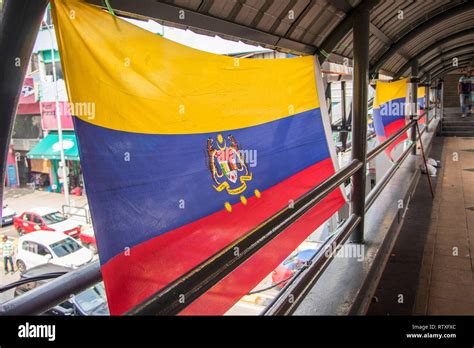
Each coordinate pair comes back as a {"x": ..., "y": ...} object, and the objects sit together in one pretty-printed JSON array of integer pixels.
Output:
[
  {"x": 390, "y": 110},
  {"x": 422, "y": 107},
  {"x": 187, "y": 151}
]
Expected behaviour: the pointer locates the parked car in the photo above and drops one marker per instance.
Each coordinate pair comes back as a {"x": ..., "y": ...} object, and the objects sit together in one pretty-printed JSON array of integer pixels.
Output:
[
  {"x": 45, "y": 219},
  {"x": 289, "y": 267},
  {"x": 37, "y": 248},
  {"x": 91, "y": 301},
  {"x": 7, "y": 216},
  {"x": 87, "y": 237}
]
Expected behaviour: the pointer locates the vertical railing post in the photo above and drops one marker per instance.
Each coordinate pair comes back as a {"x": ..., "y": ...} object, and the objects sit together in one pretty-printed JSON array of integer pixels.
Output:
[
  {"x": 329, "y": 99},
  {"x": 359, "y": 118},
  {"x": 437, "y": 98},
  {"x": 343, "y": 134},
  {"x": 441, "y": 101},
  {"x": 343, "y": 101},
  {"x": 414, "y": 101},
  {"x": 427, "y": 99},
  {"x": 19, "y": 23}
]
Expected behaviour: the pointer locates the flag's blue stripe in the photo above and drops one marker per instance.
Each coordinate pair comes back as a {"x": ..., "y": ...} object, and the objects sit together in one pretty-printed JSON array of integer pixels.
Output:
[
  {"x": 140, "y": 185},
  {"x": 388, "y": 113}
]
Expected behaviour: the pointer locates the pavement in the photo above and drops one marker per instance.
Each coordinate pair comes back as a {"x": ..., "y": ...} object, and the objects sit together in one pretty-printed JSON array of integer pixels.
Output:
[
  {"x": 432, "y": 263},
  {"x": 447, "y": 276}
]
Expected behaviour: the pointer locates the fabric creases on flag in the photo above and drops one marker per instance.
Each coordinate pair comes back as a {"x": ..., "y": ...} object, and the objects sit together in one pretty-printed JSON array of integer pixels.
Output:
[
  {"x": 389, "y": 111},
  {"x": 188, "y": 151}
]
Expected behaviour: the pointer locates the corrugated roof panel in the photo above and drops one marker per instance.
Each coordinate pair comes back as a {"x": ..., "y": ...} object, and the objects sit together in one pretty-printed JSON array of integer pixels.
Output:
[
  {"x": 384, "y": 12},
  {"x": 325, "y": 30},
  {"x": 428, "y": 9},
  {"x": 287, "y": 19},
  {"x": 376, "y": 47},
  {"x": 187, "y": 4},
  {"x": 222, "y": 9},
  {"x": 250, "y": 10},
  {"x": 306, "y": 22},
  {"x": 441, "y": 30},
  {"x": 429, "y": 37},
  {"x": 271, "y": 15},
  {"x": 446, "y": 47},
  {"x": 319, "y": 24}
]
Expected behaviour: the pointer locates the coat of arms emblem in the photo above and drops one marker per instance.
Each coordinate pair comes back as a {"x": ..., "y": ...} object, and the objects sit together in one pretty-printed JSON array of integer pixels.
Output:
[{"x": 227, "y": 165}]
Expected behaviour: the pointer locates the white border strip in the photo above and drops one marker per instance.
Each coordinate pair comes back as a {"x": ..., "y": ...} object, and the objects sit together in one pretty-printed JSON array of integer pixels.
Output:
[{"x": 325, "y": 118}]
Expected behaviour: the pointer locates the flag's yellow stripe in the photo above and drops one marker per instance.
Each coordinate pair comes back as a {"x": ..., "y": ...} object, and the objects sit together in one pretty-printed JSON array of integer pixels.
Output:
[
  {"x": 420, "y": 92},
  {"x": 141, "y": 82},
  {"x": 386, "y": 91}
]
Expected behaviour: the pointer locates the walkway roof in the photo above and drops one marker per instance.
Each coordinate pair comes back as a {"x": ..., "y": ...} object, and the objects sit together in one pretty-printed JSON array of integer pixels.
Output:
[{"x": 401, "y": 31}]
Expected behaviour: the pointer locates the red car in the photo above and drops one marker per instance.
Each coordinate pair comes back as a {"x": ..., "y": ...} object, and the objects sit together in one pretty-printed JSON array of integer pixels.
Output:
[
  {"x": 45, "y": 219},
  {"x": 87, "y": 237},
  {"x": 285, "y": 271}
]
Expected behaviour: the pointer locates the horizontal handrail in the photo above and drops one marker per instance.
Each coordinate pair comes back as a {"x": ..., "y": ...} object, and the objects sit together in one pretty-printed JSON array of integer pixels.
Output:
[
  {"x": 390, "y": 140},
  {"x": 294, "y": 291},
  {"x": 48, "y": 295},
  {"x": 44, "y": 276},
  {"x": 302, "y": 282},
  {"x": 201, "y": 278},
  {"x": 349, "y": 147},
  {"x": 378, "y": 188}
]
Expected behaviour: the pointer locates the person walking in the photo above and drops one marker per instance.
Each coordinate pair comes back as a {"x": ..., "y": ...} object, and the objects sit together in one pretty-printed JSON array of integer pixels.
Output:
[
  {"x": 7, "y": 252},
  {"x": 464, "y": 91},
  {"x": 471, "y": 101}
]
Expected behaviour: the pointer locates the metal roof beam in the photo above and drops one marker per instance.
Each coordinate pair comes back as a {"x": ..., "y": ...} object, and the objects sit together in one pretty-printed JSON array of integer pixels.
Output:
[
  {"x": 427, "y": 24},
  {"x": 341, "y": 5},
  {"x": 379, "y": 34},
  {"x": 205, "y": 6},
  {"x": 435, "y": 45},
  {"x": 343, "y": 28}
]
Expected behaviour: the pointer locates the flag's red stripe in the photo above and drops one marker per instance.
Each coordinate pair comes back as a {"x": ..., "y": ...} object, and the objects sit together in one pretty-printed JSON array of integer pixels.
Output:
[
  {"x": 135, "y": 274},
  {"x": 391, "y": 129},
  {"x": 227, "y": 292}
]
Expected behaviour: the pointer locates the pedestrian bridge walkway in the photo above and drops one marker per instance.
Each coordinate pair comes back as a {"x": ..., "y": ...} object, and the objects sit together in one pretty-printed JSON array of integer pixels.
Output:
[
  {"x": 416, "y": 260},
  {"x": 430, "y": 269}
]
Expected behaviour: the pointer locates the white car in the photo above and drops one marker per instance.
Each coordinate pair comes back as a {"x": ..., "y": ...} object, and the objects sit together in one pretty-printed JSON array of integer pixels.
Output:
[
  {"x": 7, "y": 216},
  {"x": 37, "y": 248}
]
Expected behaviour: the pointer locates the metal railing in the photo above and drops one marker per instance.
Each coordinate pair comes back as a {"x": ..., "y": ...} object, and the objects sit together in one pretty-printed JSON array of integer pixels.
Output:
[
  {"x": 200, "y": 279},
  {"x": 80, "y": 214},
  {"x": 48, "y": 295}
]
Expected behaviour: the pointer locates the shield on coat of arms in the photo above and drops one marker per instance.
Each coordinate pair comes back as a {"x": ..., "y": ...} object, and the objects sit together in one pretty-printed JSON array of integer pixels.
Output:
[{"x": 227, "y": 165}]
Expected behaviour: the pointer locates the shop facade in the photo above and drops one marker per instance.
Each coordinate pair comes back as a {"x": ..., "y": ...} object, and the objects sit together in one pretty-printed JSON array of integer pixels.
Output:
[
  {"x": 27, "y": 133},
  {"x": 46, "y": 156}
]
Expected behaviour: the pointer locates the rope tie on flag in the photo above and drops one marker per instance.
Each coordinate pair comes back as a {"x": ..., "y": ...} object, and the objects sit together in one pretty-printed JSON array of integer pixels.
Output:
[
  {"x": 109, "y": 8},
  {"x": 373, "y": 78},
  {"x": 324, "y": 53}
]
